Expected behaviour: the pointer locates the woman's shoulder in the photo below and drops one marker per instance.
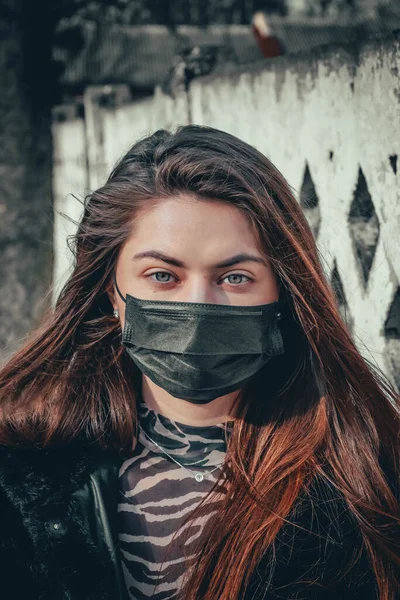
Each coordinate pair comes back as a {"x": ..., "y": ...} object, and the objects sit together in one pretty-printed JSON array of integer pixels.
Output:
[
  {"x": 64, "y": 465},
  {"x": 323, "y": 507},
  {"x": 320, "y": 545},
  {"x": 321, "y": 517}
]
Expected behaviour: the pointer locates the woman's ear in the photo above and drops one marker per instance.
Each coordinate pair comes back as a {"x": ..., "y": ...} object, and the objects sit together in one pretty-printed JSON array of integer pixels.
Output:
[{"x": 110, "y": 291}]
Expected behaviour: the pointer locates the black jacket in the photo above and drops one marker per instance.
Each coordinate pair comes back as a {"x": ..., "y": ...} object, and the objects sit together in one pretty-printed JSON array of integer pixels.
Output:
[{"x": 58, "y": 538}]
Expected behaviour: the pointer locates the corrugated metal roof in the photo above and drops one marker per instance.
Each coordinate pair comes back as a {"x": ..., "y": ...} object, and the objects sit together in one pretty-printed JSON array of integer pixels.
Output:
[{"x": 143, "y": 55}]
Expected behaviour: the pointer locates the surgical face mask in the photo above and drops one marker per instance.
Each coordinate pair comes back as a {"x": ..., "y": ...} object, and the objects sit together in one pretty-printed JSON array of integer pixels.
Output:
[{"x": 199, "y": 352}]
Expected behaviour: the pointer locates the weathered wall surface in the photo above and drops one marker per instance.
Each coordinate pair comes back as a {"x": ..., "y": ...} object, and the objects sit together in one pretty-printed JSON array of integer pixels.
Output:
[
  {"x": 70, "y": 184},
  {"x": 125, "y": 125},
  {"x": 331, "y": 123}
]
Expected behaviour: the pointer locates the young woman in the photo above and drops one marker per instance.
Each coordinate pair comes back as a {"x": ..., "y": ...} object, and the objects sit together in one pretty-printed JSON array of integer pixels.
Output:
[{"x": 193, "y": 419}]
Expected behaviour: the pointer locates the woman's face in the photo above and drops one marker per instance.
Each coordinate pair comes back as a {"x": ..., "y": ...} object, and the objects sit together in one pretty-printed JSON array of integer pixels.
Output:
[{"x": 188, "y": 250}]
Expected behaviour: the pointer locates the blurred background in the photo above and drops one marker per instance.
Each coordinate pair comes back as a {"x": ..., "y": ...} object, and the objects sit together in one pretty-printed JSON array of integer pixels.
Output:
[{"x": 314, "y": 84}]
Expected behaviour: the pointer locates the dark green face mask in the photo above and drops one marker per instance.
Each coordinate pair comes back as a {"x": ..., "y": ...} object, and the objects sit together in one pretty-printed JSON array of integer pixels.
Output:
[{"x": 199, "y": 352}]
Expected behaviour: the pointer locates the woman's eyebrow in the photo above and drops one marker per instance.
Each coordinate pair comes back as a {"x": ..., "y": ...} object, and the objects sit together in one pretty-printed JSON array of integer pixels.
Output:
[{"x": 229, "y": 262}]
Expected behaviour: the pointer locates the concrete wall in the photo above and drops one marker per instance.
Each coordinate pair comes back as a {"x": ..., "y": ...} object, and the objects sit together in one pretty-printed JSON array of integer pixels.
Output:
[
  {"x": 123, "y": 125},
  {"x": 70, "y": 185},
  {"x": 330, "y": 121}
]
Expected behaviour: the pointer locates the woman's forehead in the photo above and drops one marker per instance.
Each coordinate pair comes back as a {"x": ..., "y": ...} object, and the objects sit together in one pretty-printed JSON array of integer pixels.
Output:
[{"x": 181, "y": 225}]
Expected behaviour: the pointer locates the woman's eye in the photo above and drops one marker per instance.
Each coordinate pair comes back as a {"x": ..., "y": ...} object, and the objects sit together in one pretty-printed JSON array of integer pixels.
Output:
[
  {"x": 163, "y": 278},
  {"x": 235, "y": 277}
]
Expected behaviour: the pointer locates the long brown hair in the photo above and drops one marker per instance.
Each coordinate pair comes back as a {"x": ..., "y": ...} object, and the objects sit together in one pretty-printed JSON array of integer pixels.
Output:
[{"x": 320, "y": 407}]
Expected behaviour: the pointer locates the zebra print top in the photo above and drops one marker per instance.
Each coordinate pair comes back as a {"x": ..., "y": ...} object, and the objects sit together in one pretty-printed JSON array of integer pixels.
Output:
[{"x": 156, "y": 495}]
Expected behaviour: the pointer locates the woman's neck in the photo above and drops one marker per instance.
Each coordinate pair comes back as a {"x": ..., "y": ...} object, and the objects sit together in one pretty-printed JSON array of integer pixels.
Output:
[{"x": 217, "y": 411}]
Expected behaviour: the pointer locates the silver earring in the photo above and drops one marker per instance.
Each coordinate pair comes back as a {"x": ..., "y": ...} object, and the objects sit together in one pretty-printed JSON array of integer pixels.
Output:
[{"x": 116, "y": 313}]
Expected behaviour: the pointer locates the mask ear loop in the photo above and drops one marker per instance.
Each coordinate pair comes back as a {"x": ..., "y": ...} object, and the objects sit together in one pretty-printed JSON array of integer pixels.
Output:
[{"x": 118, "y": 290}]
